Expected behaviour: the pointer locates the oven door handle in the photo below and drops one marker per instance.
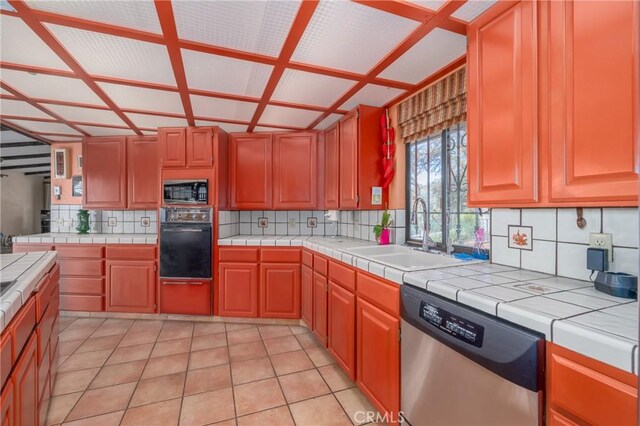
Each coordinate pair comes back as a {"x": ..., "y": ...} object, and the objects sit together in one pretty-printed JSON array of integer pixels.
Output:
[
  {"x": 183, "y": 230},
  {"x": 182, "y": 283}
]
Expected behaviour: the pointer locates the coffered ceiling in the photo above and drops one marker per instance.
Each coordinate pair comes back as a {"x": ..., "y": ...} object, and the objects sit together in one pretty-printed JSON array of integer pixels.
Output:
[{"x": 73, "y": 68}]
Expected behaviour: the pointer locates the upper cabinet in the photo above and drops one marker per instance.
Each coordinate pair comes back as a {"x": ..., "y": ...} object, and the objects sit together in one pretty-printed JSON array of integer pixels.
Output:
[
  {"x": 295, "y": 171},
  {"x": 200, "y": 147},
  {"x": 173, "y": 147},
  {"x": 331, "y": 164},
  {"x": 553, "y": 104},
  {"x": 104, "y": 172},
  {"x": 186, "y": 147},
  {"x": 250, "y": 169},
  {"x": 143, "y": 173},
  {"x": 348, "y": 196}
]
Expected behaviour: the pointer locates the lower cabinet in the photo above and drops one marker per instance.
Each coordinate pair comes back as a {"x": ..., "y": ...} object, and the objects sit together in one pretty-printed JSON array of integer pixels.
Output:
[
  {"x": 185, "y": 297},
  {"x": 8, "y": 408},
  {"x": 131, "y": 286},
  {"x": 238, "y": 289},
  {"x": 320, "y": 289},
  {"x": 342, "y": 328},
  {"x": 307, "y": 295},
  {"x": 25, "y": 385},
  {"x": 378, "y": 356},
  {"x": 279, "y": 290}
]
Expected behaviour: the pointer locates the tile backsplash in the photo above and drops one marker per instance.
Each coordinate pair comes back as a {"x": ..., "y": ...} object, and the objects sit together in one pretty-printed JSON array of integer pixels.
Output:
[
  {"x": 355, "y": 224},
  {"x": 558, "y": 246},
  {"x": 64, "y": 218}
]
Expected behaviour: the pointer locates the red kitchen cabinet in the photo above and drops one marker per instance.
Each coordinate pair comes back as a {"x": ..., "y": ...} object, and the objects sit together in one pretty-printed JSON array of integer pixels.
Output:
[
  {"x": 331, "y": 167},
  {"x": 131, "y": 286},
  {"x": 307, "y": 296},
  {"x": 143, "y": 174},
  {"x": 378, "y": 356},
  {"x": 342, "y": 328},
  {"x": 251, "y": 170},
  {"x": 8, "y": 406},
  {"x": 25, "y": 385},
  {"x": 594, "y": 101},
  {"x": 173, "y": 147},
  {"x": 348, "y": 166},
  {"x": 502, "y": 113},
  {"x": 238, "y": 289},
  {"x": 295, "y": 170},
  {"x": 104, "y": 172},
  {"x": 200, "y": 147},
  {"x": 320, "y": 289},
  {"x": 279, "y": 290},
  {"x": 185, "y": 296}
]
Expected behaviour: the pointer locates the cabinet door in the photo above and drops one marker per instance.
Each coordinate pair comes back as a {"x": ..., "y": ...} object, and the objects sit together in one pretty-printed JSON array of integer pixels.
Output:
[
  {"x": 342, "y": 328},
  {"x": 279, "y": 290},
  {"x": 104, "y": 172},
  {"x": 250, "y": 169},
  {"x": 200, "y": 147},
  {"x": 502, "y": 107},
  {"x": 143, "y": 172},
  {"x": 6, "y": 402},
  {"x": 131, "y": 286},
  {"x": 173, "y": 147},
  {"x": 378, "y": 356},
  {"x": 295, "y": 170},
  {"x": 25, "y": 385},
  {"x": 348, "y": 170},
  {"x": 307, "y": 296},
  {"x": 331, "y": 167},
  {"x": 238, "y": 290},
  {"x": 594, "y": 101},
  {"x": 320, "y": 307}
]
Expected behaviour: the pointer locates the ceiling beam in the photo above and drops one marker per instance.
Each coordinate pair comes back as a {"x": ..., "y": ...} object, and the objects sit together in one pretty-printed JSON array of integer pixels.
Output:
[
  {"x": 39, "y": 173},
  {"x": 302, "y": 19},
  {"x": 22, "y": 157},
  {"x": 25, "y": 166},
  {"x": 41, "y": 31},
  {"x": 168, "y": 24},
  {"x": 20, "y": 144},
  {"x": 418, "y": 34}
]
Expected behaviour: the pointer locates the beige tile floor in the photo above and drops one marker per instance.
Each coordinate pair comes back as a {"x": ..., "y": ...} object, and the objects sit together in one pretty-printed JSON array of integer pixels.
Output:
[{"x": 147, "y": 372}]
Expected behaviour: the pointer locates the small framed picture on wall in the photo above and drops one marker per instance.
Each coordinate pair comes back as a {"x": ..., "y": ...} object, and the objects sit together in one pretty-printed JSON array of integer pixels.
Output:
[
  {"x": 60, "y": 164},
  {"x": 76, "y": 186},
  {"x": 79, "y": 161}
]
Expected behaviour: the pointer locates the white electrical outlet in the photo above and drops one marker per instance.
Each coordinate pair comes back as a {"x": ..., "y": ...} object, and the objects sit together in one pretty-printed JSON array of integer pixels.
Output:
[{"x": 603, "y": 241}]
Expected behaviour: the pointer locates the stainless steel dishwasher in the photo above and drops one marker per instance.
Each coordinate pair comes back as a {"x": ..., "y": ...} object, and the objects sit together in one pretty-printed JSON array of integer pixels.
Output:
[{"x": 462, "y": 367}]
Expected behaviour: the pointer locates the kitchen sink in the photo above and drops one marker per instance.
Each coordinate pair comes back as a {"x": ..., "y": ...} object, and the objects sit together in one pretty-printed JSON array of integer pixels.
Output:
[
  {"x": 414, "y": 260},
  {"x": 379, "y": 250}
]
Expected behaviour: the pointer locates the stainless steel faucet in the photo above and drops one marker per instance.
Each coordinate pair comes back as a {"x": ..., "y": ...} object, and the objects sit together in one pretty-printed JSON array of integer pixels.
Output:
[{"x": 427, "y": 242}]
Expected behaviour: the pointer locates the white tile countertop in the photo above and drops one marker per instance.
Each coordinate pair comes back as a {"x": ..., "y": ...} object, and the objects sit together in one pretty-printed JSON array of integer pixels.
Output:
[
  {"x": 27, "y": 269},
  {"x": 88, "y": 238},
  {"x": 570, "y": 313}
]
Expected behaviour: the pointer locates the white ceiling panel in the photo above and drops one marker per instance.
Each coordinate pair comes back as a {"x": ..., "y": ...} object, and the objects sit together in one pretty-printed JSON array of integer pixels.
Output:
[
  {"x": 87, "y": 115},
  {"x": 113, "y": 56},
  {"x": 226, "y": 75},
  {"x": 436, "y": 50},
  {"x": 311, "y": 89},
  {"x": 129, "y": 97},
  {"x": 372, "y": 94},
  {"x": 332, "y": 118},
  {"x": 44, "y": 127},
  {"x": 253, "y": 26},
  {"x": 106, "y": 131},
  {"x": 139, "y": 14},
  {"x": 154, "y": 121},
  {"x": 429, "y": 4},
  {"x": 204, "y": 106},
  {"x": 9, "y": 136},
  {"x": 21, "y": 45},
  {"x": 288, "y": 116},
  {"x": 20, "y": 108},
  {"x": 350, "y": 36},
  {"x": 227, "y": 127},
  {"x": 51, "y": 87},
  {"x": 268, "y": 129},
  {"x": 472, "y": 9}
]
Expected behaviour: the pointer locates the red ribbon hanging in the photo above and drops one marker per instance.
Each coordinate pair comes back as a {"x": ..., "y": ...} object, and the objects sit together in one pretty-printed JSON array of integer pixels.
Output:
[{"x": 388, "y": 149}]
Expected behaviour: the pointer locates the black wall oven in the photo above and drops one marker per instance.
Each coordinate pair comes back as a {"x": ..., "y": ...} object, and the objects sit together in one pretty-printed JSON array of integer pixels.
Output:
[
  {"x": 185, "y": 191},
  {"x": 185, "y": 242}
]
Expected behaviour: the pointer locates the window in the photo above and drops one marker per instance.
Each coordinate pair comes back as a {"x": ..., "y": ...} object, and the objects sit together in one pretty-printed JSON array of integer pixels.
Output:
[{"x": 437, "y": 173}]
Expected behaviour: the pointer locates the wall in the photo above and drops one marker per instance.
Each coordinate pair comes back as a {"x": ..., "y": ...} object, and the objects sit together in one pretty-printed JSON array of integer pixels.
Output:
[
  {"x": 64, "y": 218},
  {"x": 75, "y": 149},
  {"x": 21, "y": 199},
  {"x": 559, "y": 246}
]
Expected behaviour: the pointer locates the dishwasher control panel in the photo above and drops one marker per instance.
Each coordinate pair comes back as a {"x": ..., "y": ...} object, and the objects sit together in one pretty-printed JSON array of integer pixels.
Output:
[{"x": 454, "y": 325}]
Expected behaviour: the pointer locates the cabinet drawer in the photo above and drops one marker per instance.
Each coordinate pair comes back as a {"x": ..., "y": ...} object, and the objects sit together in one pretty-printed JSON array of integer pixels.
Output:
[
  {"x": 343, "y": 275},
  {"x": 320, "y": 265},
  {"x": 131, "y": 252},
  {"x": 44, "y": 365},
  {"x": 280, "y": 255},
  {"x": 22, "y": 326},
  {"x": 73, "y": 302},
  {"x": 307, "y": 258},
  {"x": 81, "y": 267},
  {"x": 81, "y": 251},
  {"x": 191, "y": 297},
  {"x": 384, "y": 295},
  {"x": 43, "y": 296},
  {"x": 82, "y": 285},
  {"x": 29, "y": 247},
  {"x": 44, "y": 329},
  {"x": 240, "y": 254},
  {"x": 6, "y": 357}
]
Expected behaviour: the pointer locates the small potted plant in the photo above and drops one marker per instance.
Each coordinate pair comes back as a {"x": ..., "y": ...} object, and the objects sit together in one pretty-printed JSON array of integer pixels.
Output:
[{"x": 382, "y": 231}]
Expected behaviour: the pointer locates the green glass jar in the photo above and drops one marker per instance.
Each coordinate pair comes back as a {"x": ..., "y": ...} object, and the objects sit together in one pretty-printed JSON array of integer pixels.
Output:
[{"x": 83, "y": 222}]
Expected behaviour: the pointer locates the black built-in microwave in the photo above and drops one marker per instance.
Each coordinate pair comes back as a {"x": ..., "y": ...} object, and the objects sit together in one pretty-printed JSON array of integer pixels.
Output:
[{"x": 185, "y": 192}]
